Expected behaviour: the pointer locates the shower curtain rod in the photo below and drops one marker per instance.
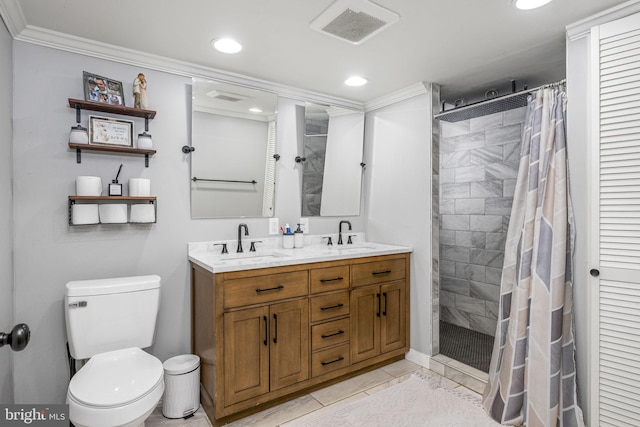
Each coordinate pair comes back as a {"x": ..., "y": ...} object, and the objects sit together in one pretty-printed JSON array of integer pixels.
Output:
[{"x": 498, "y": 98}]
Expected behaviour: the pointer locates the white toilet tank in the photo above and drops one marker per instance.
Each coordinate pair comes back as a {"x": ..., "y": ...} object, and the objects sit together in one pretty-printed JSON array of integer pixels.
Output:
[{"x": 111, "y": 314}]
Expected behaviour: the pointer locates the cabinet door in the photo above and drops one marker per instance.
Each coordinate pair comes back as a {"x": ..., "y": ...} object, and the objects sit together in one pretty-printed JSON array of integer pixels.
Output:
[
  {"x": 393, "y": 316},
  {"x": 246, "y": 354},
  {"x": 289, "y": 351},
  {"x": 365, "y": 323}
]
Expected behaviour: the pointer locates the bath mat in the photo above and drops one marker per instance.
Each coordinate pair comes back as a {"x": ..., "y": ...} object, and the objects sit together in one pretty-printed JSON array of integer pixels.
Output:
[{"x": 417, "y": 401}]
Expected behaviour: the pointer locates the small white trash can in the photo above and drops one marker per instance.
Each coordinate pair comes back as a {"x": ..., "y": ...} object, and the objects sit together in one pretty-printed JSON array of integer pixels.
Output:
[{"x": 182, "y": 386}]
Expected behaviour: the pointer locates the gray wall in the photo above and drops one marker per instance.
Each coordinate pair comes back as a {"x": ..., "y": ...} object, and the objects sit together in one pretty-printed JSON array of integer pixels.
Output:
[
  {"x": 49, "y": 253},
  {"x": 397, "y": 183},
  {"x": 479, "y": 161},
  {"x": 6, "y": 214}
]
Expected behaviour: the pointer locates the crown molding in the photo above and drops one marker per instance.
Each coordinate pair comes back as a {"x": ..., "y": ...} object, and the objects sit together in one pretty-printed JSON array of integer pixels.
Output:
[
  {"x": 400, "y": 95},
  {"x": 82, "y": 46},
  {"x": 582, "y": 28},
  {"x": 11, "y": 14}
]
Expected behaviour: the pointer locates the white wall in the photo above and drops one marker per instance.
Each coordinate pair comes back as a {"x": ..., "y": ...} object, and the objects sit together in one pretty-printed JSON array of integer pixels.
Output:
[
  {"x": 398, "y": 196},
  {"x": 49, "y": 253},
  {"x": 6, "y": 214},
  {"x": 578, "y": 97}
]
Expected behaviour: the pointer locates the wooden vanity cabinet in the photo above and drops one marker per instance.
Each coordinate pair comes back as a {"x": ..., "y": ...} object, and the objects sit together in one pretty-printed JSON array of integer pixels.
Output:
[
  {"x": 267, "y": 334},
  {"x": 266, "y": 348},
  {"x": 330, "y": 330},
  {"x": 379, "y": 312},
  {"x": 378, "y": 320}
]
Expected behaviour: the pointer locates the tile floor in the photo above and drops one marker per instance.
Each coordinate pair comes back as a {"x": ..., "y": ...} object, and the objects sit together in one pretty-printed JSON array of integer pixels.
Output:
[{"x": 335, "y": 395}]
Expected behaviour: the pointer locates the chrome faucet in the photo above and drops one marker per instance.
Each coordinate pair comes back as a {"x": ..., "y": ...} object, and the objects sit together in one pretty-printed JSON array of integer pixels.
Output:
[
  {"x": 246, "y": 233},
  {"x": 340, "y": 230}
]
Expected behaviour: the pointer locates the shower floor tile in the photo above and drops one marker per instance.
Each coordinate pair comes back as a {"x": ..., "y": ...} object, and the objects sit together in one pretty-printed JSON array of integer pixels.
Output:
[{"x": 466, "y": 346}]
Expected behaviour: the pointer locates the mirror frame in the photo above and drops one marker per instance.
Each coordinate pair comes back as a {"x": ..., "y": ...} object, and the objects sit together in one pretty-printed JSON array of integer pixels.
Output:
[
  {"x": 332, "y": 144},
  {"x": 232, "y": 184}
]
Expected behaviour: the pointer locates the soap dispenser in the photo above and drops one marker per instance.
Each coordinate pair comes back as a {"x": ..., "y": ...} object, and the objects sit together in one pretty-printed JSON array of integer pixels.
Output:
[
  {"x": 288, "y": 238},
  {"x": 298, "y": 237}
]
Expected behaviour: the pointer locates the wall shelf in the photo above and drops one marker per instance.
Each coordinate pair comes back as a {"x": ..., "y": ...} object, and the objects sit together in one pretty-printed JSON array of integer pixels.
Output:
[
  {"x": 113, "y": 109},
  {"x": 130, "y": 200},
  {"x": 79, "y": 105},
  {"x": 110, "y": 149}
]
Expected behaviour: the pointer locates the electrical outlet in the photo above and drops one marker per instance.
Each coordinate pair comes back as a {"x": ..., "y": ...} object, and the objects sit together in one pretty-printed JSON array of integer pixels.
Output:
[
  {"x": 274, "y": 226},
  {"x": 304, "y": 225}
]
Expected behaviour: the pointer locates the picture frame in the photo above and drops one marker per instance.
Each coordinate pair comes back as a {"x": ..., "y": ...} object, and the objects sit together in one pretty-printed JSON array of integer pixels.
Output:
[
  {"x": 102, "y": 89},
  {"x": 109, "y": 131}
]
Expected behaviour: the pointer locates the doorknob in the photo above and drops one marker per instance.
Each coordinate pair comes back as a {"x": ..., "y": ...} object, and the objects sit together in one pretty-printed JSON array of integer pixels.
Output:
[
  {"x": 18, "y": 338},
  {"x": 594, "y": 272}
]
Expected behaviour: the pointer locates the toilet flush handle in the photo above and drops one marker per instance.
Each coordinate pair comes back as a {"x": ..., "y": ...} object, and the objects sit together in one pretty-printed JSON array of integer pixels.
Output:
[
  {"x": 78, "y": 304},
  {"x": 18, "y": 338}
]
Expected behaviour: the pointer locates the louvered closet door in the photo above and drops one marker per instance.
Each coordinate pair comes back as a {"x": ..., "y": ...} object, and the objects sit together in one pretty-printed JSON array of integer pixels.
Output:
[{"x": 619, "y": 223}]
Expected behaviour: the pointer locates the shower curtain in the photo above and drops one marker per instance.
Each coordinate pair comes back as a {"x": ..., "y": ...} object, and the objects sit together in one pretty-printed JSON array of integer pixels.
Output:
[{"x": 532, "y": 373}]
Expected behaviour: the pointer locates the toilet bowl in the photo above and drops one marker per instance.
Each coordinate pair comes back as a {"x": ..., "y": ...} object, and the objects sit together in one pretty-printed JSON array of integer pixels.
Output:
[{"x": 118, "y": 388}]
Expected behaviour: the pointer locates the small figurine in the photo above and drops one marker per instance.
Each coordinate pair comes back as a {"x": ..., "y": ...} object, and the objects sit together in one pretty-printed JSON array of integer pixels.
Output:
[{"x": 140, "y": 99}]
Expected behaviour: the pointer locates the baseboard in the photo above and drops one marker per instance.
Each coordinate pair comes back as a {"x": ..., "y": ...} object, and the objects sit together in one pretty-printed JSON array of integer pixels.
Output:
[
  {"x": 418, "y": 358},
  {"x": 457, "y": 372}
]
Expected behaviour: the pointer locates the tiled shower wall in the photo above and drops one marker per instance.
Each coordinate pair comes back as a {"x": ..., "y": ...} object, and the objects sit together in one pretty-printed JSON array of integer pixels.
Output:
[
  {"x": 478, "y": 168},
  {"x": 315, "y": 147}
]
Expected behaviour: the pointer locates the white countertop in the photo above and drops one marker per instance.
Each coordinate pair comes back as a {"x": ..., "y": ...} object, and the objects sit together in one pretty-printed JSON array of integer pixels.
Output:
[{"x": 270, "y": 253}]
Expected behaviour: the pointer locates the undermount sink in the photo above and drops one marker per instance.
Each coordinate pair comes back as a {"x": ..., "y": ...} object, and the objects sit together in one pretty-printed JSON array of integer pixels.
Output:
[
  {"x": 252, "y": 255},
  {"x": 348, "y": 249}
]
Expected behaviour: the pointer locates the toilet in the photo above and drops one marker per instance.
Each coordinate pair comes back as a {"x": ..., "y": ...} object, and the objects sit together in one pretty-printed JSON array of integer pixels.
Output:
[{"x": 109, "y": 322}]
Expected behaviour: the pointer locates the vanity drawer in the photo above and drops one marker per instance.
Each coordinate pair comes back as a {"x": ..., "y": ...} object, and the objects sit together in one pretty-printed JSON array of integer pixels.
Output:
[
  {"x": 378, "y": 271},
  {"x": 329, "y": 279},
  {"x": 264, "y": 289},
  {"x": 330, "y": 360},
  {"x": 330, "y": 333},
  {"x": 328, "y": 306}
]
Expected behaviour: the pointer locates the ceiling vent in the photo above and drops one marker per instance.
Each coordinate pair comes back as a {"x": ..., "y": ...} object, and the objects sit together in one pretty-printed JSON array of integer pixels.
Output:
[
  {"x": 227, "y": 96},
  {"x": 354, "y": 21}
]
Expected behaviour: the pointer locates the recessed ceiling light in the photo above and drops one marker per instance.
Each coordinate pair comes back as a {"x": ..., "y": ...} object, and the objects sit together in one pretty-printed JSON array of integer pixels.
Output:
[
  {"x": 529, "y": 4},
  {"x": 356, "y": 81},
  {"x": 255, "y": 110},
  {"x": 226, "y": 45}
]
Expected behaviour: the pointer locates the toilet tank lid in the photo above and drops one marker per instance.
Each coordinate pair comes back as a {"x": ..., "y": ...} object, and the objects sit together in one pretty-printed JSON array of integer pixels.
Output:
[{"x": 112, "y": 286}]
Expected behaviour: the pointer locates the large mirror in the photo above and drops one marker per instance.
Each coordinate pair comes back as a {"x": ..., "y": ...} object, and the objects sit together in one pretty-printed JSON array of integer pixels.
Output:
[
  {"x": 234, "y": 136},
  {"x": 330, "y": 141}
]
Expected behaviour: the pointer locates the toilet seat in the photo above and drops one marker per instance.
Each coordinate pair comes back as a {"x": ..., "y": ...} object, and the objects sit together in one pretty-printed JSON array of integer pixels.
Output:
[
  {"x": 116, "y": 378},
  {"x": 117, "y": 388}
]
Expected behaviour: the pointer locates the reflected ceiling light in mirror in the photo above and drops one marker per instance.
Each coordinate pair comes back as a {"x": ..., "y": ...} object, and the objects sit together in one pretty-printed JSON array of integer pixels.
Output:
[
  {"x": 356, "y": 81},
  {"x": 255, "y": 110},
  {"x": 529, "y": 4},
  {"x": 226, "y": 45}
]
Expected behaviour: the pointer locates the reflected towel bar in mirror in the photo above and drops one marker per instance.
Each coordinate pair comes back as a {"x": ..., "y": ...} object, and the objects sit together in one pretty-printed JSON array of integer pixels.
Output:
[{"x": 194, "y": 179}]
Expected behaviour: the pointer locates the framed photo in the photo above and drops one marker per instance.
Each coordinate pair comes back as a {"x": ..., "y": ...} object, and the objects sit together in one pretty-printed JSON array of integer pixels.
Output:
[
  {"x": 102, "y": 89},
  {"x": 107, "y": 131}
]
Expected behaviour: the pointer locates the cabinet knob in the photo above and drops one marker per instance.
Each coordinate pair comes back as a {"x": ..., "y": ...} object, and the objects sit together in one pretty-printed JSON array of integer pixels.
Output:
[{"x": 594, "y": 272}]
